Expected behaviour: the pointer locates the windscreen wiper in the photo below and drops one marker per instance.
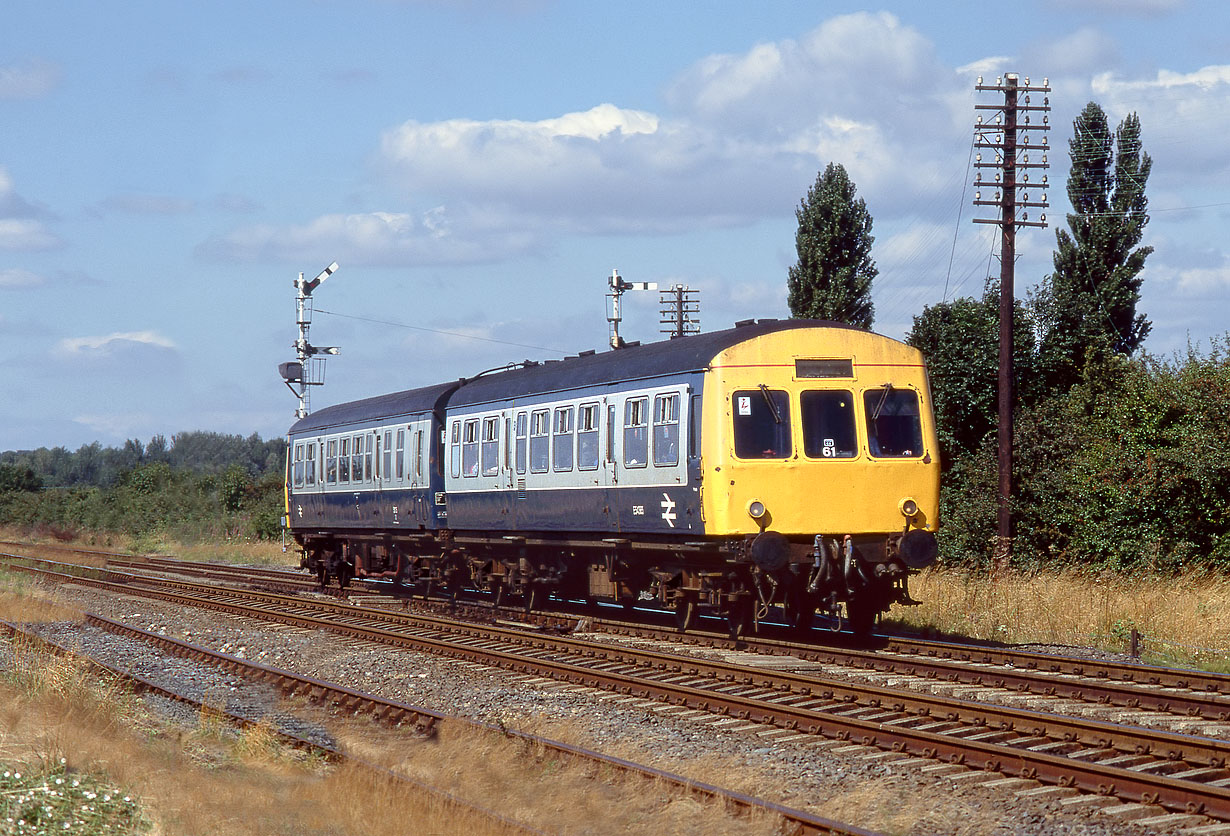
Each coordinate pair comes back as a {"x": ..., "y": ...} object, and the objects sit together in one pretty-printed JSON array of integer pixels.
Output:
[{"x": 777, "y": 415}]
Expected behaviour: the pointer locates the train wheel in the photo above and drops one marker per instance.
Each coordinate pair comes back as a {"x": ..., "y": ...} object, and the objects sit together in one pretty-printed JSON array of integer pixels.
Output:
[{"x": 686, "y": 610}]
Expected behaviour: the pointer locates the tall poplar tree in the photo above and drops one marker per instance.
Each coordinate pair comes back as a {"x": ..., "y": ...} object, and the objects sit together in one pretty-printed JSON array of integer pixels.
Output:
[
  {"x": 832, "y": 278},
  {"x": 1087, "y": 306}
]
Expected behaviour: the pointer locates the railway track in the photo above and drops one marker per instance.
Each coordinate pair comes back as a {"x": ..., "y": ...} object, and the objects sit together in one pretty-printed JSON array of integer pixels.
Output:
[
  {"x": 1180, "y": 773},
  {"x": 140, "y": 685},
  {"x": 1194, "y": 700}
]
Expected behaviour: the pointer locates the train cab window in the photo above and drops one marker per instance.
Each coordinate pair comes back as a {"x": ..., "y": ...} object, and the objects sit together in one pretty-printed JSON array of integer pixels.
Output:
[
  {"x": 401, "y": 454},
  {"x": 561, "y": 444},
  {"x": 587, "y": 437},
  {"x": 666, "y": 430},
  {"x": 491, "y": 446},
  {"x": 469, "y": 448},
  {"x": 331, "y": 462},
  {"x": 297, "y": 469},
  {"x": 894, "y": 429},
  {"x": 762, "y": 423},
  {"x": 522, "y": 430},
  {"x": 828, "y": 424},
  {"x": 454, "y": 450},
  {"x": 343, "y": 461},
  {"x": 540, "y": 440},
  {"x": 636, "y": 432}
]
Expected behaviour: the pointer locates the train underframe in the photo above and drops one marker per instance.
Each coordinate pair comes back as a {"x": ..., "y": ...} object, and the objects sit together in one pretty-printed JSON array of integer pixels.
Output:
[{"x": 853, "y": 578}]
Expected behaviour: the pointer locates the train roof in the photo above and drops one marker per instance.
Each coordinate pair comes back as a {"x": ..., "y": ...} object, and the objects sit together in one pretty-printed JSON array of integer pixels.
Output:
[
  {"x": 632, "y": 362},
  {"x": 411, "y": 401}
]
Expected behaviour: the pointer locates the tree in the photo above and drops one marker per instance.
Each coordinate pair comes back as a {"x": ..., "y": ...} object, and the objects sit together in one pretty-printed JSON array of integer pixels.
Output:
[
  {"x": 960, "y": 340},
  {"x": 17, "y": 478},
  {"x": 832, "y": 278},
  {"x": 1087, "y": 306}
]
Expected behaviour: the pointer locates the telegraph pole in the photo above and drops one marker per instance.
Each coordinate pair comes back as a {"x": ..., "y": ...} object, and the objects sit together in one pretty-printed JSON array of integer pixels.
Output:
[
  {"x": 1007, "y": 137},
  {"x": 680, "y": 311}
]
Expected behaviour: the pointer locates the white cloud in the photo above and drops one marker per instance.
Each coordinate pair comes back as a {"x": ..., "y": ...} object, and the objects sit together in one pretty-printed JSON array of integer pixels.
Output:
[
  {"x": 748, "y": 134},
  {"x": 1179, "y": 114},
  {"x": 118, "y": 424},
  {"x": 382, "y": 238},
  {"x": 25, "y": 234},
  {"x": 33, "y": 81},
  {"x": 105, "y": 345},
  {"x": 15, "y": 277},
  {"x": 21, "y": 228},
  {"x": 1079, "y": 53}
]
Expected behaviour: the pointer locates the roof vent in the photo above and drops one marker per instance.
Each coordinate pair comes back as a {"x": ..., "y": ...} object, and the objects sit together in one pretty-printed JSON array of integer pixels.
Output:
[
  {"x": 588, "y": 353},
  {"x": 743, "y": 323}
]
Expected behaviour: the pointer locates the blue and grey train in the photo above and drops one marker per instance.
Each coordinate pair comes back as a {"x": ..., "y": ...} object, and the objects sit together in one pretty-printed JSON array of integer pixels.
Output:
[{"x": 777, "y": 463}]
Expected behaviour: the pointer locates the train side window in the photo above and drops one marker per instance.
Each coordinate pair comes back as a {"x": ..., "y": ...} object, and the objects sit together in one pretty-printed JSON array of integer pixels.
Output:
[
  {"x": 343, "y": 461},
  {"x": 401, "y": 453},
  {"x": 309, "y": 475},
  {"x": 828, "y": 424},
  {"x": 587, "y": 437},
  {"x": 331, "y": 462},
  {"x": 562, "y": 441},
  {"x": 298, "y": 466},
  {"x": 387, "y": 468},
  {"x": 454, "y": 450},
  {"x": 356, "y": 459},
  {"x": 762, "y": 423},
  {"x": 894, "y": 429},
  {"x": 491, "y": 446},
  {"x": 469, "y": 448},
  {"x": 666, "y": 430},
  {"x": 373, "y": 443},
  {"x": 522, "y": 432},
  {"x": 540, "y": 440},
  {"x": 636, "y": 432}
]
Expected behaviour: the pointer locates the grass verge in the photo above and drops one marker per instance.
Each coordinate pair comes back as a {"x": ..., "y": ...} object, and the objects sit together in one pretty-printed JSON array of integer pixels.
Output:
[{"x": 1183, "y": 620}]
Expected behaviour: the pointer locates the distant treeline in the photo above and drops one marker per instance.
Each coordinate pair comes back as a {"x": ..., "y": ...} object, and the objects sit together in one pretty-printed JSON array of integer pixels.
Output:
[{"x": 198, "y": 486}]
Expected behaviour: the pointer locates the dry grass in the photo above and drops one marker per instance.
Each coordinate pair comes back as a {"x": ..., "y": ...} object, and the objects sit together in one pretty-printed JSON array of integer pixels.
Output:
[
  {"x": 547, "y": 791},
  {"x": 210, "y": 780},
  {"x": 1183, "y": 619},
  {"x": 258, "y": 552}
]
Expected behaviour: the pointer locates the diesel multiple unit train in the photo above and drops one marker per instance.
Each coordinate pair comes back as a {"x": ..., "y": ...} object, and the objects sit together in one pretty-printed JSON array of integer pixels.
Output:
[{"x": 778, "y": 463}]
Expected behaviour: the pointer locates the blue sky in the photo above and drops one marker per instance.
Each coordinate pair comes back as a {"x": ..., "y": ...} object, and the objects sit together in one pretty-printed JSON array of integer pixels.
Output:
[{"x": 478, "y": 168}]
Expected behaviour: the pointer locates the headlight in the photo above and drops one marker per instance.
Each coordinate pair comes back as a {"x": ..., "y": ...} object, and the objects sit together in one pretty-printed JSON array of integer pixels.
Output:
[
  {"x": 756, "y": 509},
  {"x": 909, "y": 508}
]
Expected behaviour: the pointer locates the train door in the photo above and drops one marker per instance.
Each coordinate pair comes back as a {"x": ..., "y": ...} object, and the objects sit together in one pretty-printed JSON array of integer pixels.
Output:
[
  {"x": 506, "y": 480},
  {"x": 610, "y": 456}
]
